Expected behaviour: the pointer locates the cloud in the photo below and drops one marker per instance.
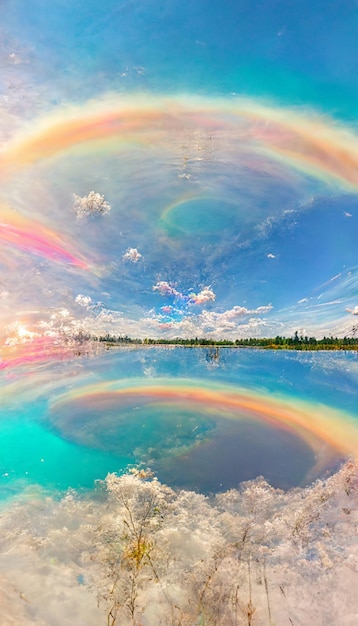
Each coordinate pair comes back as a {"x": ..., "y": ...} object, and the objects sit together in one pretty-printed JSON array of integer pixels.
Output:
[
  {"x": 169, "y": 310},
  {"x": 205, "y": 295},
  {"x": 202, "y": 297},
  {"x": 165, "y": 289},
  {"x": 346, "y": 214},
  {"x": 19, "y": 333},
  {"x": 91, "y": 205},
  {"x": 230, "y": 319},
  {"x": 160, "y": 326},
  {"x": 132, "y": 255},
  {"x": 83, "y": 300},
  {"x": 353, "y": 311},
  {"x": 271, "y": 256}
]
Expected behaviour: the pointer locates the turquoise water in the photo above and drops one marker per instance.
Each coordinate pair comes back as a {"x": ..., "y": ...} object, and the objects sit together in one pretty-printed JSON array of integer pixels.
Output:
[
  {"x": 186, "y": 445},
  {"x": 31, "y": 454}
]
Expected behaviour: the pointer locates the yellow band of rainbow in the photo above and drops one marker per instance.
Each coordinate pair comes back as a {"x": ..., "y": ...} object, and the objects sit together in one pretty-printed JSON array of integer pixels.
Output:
[
  {"x": 306, "y": 142},
  {"x": 321, "y": 427}
]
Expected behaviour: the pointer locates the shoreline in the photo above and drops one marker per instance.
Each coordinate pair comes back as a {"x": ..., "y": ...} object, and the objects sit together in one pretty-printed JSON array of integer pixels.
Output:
[{"x": 306, "y": 348}]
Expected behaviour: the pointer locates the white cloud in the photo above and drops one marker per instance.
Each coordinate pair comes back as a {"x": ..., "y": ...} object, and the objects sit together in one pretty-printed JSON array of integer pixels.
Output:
[
  {"x": 186, "y": 327},
  {"x": 205, "y": 295},
  {"x": 91, "y": 205},
  {"x": 271, "y": 256},
  {"x": 19, "y": 333},
  {"x": 60, "y": 314},
  {"x": 232, "y": 316},
  {"x": 233, "y": 320},
  {"x": 232, "y": 323},
  {"x": 353, "y": 311},
  {"x": 132, "y": 255},
  {"x": 165, "y": 289},
  {"x": 83, "y": 300},
  {"x": 261, "y": 310},
  {"x": 346, "y": 214}
]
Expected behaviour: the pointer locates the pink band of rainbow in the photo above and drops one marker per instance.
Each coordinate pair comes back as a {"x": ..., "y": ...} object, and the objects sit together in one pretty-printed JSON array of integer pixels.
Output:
[{"x": 313, "y": 145}]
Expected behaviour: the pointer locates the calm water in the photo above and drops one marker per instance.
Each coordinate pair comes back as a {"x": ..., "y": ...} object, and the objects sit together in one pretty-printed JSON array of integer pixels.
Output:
[{"x": 68, "y": 424}]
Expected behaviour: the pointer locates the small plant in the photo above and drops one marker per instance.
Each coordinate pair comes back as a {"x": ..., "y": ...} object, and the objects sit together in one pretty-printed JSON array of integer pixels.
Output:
[{"x": 181, "y": 559}]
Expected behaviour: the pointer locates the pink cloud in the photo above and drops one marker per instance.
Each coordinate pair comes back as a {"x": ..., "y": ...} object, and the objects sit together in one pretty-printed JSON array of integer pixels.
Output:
[
  {"x": 165, "y": 289},
  {"x": 205, "y": 295}
]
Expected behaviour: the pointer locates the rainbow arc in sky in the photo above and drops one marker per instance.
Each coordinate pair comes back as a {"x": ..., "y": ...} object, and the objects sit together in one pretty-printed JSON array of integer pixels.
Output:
[{"x": 315, "y": 146}]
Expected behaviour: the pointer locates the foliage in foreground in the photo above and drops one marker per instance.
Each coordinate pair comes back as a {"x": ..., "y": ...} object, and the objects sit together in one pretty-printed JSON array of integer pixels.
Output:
[
  {"x": 141, "y": 554},
  {"x": 245, "y": 558}
]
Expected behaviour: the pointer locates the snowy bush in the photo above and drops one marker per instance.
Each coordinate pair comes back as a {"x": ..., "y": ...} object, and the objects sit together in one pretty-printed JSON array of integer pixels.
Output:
[{"x": 138, "y": 553}]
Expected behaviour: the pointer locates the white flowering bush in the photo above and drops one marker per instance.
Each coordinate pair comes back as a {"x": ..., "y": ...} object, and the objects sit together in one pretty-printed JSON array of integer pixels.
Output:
[
  {"x": 254, "y": 556},
  {"x": 139, "y": 553}
]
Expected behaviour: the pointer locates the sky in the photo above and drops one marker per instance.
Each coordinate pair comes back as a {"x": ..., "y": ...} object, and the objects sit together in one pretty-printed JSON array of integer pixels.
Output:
[{"x": 172, "y": 170}]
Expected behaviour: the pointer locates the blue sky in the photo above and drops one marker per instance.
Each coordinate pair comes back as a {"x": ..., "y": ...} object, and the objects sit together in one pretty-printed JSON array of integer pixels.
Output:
[{"x": 232, "y": 189}]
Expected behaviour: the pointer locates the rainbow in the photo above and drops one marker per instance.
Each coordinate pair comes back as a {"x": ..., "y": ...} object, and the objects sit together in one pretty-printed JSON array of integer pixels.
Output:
[
  {"x": 39, "y": 351},
  {"x": 326, "y": 431},
  {"x": 308, "y": 143},
  {"x": 32, "y": 237},
  {"x": 229, "y": 206}
]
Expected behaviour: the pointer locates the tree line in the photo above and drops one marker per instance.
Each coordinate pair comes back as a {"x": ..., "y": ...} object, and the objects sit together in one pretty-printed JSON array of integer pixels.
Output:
[{"x": 297, "y": 342}]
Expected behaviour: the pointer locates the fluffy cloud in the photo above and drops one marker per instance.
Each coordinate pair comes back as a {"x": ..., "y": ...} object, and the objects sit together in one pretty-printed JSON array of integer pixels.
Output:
[
  {"x": 205, "y": 295},
  {"x": 231, "y": 317},
  {"x": 91, "y": 205},
  {"x": 83, "y": 300},
  {"x": 19, "y": 333},
  {"x": 353, "y": 311},
  {"x": 132, "y": 255},
  {"x": 261, "y": 310},
  {"x": 208, "y": 323},
  {"x": 202, "y": 326},
  {"x": 160, "y": 326},
  {"x": 165, "y": 289}
]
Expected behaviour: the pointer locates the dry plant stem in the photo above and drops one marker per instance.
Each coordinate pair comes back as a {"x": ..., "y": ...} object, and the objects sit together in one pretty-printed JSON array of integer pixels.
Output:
[
  {"x": 236, "y": 605},
  {"x": 267, "y": 593},
  {"x": 250, "y": 609},
  {"x": 112, "y": 615},
  {"x": 284, "y": 595},
  {"x": 217, "y": 562}
]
